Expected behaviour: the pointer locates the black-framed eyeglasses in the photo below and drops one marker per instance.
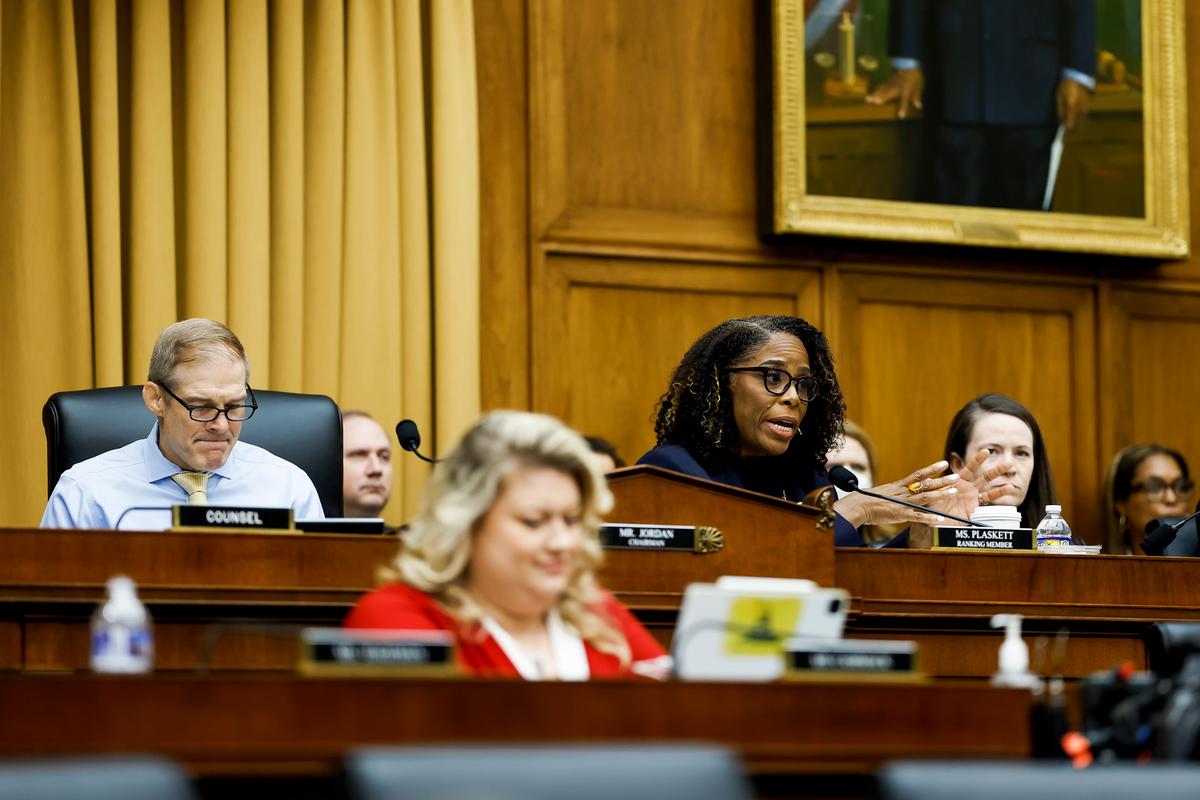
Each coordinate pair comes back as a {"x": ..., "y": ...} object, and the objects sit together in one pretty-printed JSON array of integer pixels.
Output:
[
  {"x": 776, "y": 381},
  {"x": 1155, "y": 488},
  {"x": 238, "y": 413}
]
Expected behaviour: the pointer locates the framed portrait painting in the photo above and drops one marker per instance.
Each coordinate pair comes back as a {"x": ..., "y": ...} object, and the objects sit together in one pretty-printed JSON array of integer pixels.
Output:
[{"x": 1033, "y": 124}]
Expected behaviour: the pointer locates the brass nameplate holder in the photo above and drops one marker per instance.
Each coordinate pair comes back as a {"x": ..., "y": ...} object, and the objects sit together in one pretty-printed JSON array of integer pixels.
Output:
[
  {"x": 686, "y": 538},
  {"x": 822, "y": 499}
]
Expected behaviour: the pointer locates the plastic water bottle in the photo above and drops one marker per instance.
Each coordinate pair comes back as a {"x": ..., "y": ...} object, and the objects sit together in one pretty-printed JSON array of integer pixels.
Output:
[
  {"x": 121, "y": 638},
  {"x": 1053, "y": 530}
]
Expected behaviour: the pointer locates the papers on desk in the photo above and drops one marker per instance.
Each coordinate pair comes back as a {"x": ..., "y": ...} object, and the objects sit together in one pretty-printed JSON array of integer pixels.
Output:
[
  {"x": 1074, "y": 549},
  {"x": 1056, "y": 150}
]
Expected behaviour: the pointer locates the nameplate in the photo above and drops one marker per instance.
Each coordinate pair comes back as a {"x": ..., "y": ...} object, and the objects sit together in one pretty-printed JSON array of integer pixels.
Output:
[
  {"x": 985, "y": 539},
  {"x": 191, "y": 516},
  {"x": 857, "y": 656},
  {"x": 686, "y": 538},
  {"x": 334, "y": 651},
  {"x": 363, "y": 525}
]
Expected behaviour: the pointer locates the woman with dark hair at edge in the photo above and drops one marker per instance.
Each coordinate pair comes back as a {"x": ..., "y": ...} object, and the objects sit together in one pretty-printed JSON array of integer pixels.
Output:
[
  {"x": 1144, "y": 482},
  {"x": 755, "y": 403}
]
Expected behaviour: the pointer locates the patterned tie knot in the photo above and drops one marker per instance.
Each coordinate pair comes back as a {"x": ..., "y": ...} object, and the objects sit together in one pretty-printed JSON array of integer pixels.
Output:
[{"x": 196, "y": 486}]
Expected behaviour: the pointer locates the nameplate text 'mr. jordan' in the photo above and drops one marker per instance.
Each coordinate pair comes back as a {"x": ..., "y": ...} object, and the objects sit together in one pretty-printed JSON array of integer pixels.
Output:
[{"x": 650, "y": 538}]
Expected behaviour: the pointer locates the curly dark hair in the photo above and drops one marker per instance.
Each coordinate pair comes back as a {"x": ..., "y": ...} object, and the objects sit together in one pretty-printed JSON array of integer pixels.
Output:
[{"x": 696, "y": 411}]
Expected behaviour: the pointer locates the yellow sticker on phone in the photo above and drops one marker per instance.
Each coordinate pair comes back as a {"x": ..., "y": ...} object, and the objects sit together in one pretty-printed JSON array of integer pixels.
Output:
[{"x": 758, "y": 626}]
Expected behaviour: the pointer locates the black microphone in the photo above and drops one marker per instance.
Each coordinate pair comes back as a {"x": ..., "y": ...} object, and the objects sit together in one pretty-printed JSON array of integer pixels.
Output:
[
  {"x": 410, "y": 439},
  {"x": 117, "y": 526},
  {"x": 844, "y": 479},
  {"x": 1159, "y": 539}
]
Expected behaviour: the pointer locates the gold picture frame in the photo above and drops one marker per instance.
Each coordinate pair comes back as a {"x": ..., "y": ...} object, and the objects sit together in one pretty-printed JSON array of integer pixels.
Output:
[{"x": 1161, "y": 233}]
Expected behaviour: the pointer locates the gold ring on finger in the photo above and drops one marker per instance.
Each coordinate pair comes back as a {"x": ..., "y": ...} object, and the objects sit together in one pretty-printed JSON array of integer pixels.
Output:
[{"x": 915, "y": 487}]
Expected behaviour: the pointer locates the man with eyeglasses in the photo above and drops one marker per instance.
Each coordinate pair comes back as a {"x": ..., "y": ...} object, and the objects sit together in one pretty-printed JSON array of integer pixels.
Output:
[{"x": 198, "y": 389}]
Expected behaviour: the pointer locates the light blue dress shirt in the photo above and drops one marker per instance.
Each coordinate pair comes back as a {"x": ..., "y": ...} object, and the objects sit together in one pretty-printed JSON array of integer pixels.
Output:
[{"x": 94, "y": 493}]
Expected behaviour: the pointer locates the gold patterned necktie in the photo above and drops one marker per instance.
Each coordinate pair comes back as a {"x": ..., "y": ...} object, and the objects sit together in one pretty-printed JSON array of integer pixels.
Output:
[{"x": 195, "y": 484}]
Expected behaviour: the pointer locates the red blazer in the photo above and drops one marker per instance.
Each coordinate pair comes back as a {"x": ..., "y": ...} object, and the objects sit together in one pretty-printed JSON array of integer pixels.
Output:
[{"x": 401, "y": 607}]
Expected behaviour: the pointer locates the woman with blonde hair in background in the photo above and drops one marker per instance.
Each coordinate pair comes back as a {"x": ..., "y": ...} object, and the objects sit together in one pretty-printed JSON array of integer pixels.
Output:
[
  {"x": 503, "y": 554},
  {"x": 856, "y": 452}
]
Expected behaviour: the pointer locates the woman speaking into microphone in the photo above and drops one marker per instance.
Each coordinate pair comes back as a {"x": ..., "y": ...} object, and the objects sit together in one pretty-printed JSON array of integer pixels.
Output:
[{"x": 755, "y": 403}]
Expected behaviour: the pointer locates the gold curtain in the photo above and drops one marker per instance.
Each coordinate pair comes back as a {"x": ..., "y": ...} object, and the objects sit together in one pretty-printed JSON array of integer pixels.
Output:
[{"x": 306, "y": 172}]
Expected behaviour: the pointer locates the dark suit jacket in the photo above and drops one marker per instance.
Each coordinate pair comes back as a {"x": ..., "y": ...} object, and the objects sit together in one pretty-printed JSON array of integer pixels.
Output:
[
  {"x": 778, "y": 476},
  {"x": 994, "y": 62}
]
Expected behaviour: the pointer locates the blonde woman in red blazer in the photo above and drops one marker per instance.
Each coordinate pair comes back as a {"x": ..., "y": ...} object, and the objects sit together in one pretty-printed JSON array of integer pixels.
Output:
[{"x": 503, "y": 554}]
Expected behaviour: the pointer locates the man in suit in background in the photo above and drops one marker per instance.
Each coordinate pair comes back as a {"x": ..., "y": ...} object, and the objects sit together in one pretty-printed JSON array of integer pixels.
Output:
[
  {"x": 199, "y": 392},
  {"x": 366, "y": 465},
  {"x": 994, "y": 81}
]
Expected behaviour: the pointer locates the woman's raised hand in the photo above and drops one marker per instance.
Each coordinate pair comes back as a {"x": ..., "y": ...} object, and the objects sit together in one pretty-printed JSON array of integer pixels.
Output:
[
  {"x": 925, "y": 487},
  {"x": 969, "y": 482}
]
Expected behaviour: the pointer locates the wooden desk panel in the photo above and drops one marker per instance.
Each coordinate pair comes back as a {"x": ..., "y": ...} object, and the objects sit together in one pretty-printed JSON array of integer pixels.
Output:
[
  {"x": 267, "y": 725},
  {"x": 1109, "y": 588},
  {"x": 51, "y": 581},
  {"x": 261, "y": 587},
  {"x": 763, "y": 536},
  {"x": 280, "y": 569},
  {"x": 60, "y": 644},
  {"x": 945, "y": 600},
  {"x": 950, "y": 651}
]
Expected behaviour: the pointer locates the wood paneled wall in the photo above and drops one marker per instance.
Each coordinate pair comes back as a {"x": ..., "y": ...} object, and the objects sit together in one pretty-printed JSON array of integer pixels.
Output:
[{"x": 618, "y": 154}]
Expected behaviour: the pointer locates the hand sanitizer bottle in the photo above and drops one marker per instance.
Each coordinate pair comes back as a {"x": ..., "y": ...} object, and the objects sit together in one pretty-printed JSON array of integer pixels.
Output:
[
  {"x": 122, "y": 642},
  {"x": 1014, "y": 654}
]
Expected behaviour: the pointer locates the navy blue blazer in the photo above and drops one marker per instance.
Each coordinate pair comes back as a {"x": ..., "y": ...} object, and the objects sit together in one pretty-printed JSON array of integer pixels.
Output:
[
  {"x": 994, "y": 63},
  {"x": 777, "y": 476}
]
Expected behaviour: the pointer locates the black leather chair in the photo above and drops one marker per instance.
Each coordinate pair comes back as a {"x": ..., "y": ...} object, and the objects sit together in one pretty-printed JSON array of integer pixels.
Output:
[
  {"x": 633, "y": 772},
  {"x": 134, "y": 778},
  {"x": 990, "y": 780},
  {"x": 305, "y": 429}
]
